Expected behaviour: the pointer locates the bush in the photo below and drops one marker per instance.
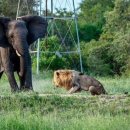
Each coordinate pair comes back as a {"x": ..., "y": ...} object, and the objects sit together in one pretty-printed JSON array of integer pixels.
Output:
[
  {"x": 107, "y": 58},
  {"x": 56, "y": 60},
  {"x": 119, "y": 51},
  {"x": 89, "y": 60},
  {"x": 87, "y": 32},
  {"x": 96, "y": 58},
  {"x": 52, "y": 59}
]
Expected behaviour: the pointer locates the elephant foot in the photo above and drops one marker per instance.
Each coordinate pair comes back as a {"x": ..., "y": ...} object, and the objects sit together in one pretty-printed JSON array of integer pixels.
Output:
[
  {"x": 14, "y": 89},
  {"x": 25, "y": 88}
]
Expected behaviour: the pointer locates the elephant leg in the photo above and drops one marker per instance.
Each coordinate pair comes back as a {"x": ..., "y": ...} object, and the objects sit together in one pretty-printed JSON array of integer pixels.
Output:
[
  {"x": 28, "y": 80},
  {"x": 28, "y": 75},
  {"x": 24, "y": 85},
  {"x": 8, "y": 68},
  {"x": 22, "y": 81},
  {"x": 1, "y": 74},
  {"x": 25, "y": 81},
  {"x": 12, "y": 81}
]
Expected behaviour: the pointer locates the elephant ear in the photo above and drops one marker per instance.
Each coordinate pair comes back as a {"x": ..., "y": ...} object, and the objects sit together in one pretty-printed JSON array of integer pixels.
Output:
[
  {"x": 36, "y": 25},
  {"x": 3, "y": 40},
  {"x": 3, "y": 25}
]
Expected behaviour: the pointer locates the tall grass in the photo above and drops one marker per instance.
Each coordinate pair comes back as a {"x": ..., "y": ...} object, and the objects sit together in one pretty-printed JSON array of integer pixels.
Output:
[
  {"x": 16, "y": 121},
  {"x": 29, "y": 111}
]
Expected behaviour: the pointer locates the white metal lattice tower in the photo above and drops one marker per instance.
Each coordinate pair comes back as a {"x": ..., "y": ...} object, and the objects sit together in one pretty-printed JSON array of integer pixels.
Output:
[{"x": 52, "y": 6}]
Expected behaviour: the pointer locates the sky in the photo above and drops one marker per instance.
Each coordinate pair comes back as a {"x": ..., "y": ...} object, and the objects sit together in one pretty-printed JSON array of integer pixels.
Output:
[
  {"x": 63, "y": 4},
  {"x": 77, "y": 2}
]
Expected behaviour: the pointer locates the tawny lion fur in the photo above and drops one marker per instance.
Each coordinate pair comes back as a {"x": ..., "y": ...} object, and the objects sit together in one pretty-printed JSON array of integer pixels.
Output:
[
  {"x": 75, "y": 81},
  {"x": 63, "y": 78}
]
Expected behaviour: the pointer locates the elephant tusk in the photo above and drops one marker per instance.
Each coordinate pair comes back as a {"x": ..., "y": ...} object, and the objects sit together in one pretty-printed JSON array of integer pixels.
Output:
[{"x": 18, "y": 53}]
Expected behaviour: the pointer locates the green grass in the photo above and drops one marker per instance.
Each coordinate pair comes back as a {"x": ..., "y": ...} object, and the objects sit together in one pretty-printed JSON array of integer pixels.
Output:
[
  {"x": 81, "y": 111},
  {"x": 54, "y": 122}
]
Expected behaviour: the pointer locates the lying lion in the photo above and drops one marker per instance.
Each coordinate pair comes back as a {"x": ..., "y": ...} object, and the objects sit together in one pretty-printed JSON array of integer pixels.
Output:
[{"x": 75, "y": 81}]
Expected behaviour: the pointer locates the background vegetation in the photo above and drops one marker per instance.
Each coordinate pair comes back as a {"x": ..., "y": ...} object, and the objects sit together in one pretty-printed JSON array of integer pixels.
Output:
[{"x": 104, "y": 29}]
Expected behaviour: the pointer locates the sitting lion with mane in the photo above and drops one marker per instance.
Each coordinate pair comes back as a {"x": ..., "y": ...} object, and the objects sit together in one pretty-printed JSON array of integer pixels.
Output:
[{"x": 75, "y": 81}]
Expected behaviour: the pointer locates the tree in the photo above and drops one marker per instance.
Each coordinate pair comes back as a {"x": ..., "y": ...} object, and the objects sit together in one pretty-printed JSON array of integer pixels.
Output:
[
  {"x": 117, "y": 21},
  {"x": 87, "y": 32},
  {"x": 91, "y": 18},
  {"x": 9, "y": 7},
  {"x": 110, "y": 55},
  {"x": 92, "y": 11}
]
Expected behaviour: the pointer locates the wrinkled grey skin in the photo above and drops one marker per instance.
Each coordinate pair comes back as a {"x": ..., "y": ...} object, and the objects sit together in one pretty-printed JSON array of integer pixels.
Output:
[
  {"x": 87, "y": 83},
  {"x": 16, "y": 36}
]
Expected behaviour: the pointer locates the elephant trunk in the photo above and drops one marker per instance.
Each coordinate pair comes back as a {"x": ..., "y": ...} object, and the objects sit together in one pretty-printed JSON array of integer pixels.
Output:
[
  {"x": 25, "y": 61},
  {"x": 22, "y": 66}
]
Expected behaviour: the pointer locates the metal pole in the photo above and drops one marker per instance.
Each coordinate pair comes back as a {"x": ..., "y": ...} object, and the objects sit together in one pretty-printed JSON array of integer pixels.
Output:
[
  {"x": 52, "y": 16},
  {"x": 77, "y": 33},
  {"x": 17, "y": 14},
  {"x": 46, "y": 8},
  {"x": 51, "y": 7},
  {"x": 26, "y": 3},
  {"x": 38, "y": 44},
  {"x": 38, "y": 55}
]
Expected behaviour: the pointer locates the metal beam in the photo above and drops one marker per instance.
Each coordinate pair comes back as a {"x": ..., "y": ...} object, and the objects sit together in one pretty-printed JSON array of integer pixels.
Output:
[
  {"x": 77, "y": 32},
  {"x": 38, "y": 44},
  {"x": 17, "y": 14}
]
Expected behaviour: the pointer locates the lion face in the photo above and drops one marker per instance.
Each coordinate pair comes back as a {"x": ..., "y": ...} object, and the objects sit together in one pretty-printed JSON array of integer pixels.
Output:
[{"x": 63, "y": 78}]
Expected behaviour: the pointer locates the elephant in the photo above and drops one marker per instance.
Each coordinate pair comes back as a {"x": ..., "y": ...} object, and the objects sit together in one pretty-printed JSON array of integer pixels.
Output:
[{"x": 15, "y": 38}]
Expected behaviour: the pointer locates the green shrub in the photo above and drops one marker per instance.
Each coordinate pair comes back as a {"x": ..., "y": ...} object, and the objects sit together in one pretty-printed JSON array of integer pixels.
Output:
[
  {"x": 50, "y": 58},
  {"x": 119, "y": 52},
  {"x": 88, "y": 32},
  {"x": 98, "y": 60},
  {"x": 104, "y": 58},
  {"x": 92, "y": 57}
]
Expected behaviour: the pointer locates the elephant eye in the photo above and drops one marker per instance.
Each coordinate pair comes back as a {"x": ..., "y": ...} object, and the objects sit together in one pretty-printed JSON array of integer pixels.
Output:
[{"x": 11, "y": 36}]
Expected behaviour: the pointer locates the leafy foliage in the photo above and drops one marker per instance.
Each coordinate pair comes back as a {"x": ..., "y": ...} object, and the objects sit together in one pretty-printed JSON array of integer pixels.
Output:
[
  {"x": 87, "y": 32},
  {"x": 8, "y": 8},
  {"x": 50, "y": 56},
  {"x": 92, "y": 11},
  {"x": 117, "y": 20},
  {"x": 110, "y": 55},
  {"x": 91, "y": 18},
  {"x": 104, "y": 30}
]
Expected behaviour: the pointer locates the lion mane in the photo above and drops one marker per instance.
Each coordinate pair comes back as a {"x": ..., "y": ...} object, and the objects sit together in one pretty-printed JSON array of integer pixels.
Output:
[{"x": 63, "y": 78}]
